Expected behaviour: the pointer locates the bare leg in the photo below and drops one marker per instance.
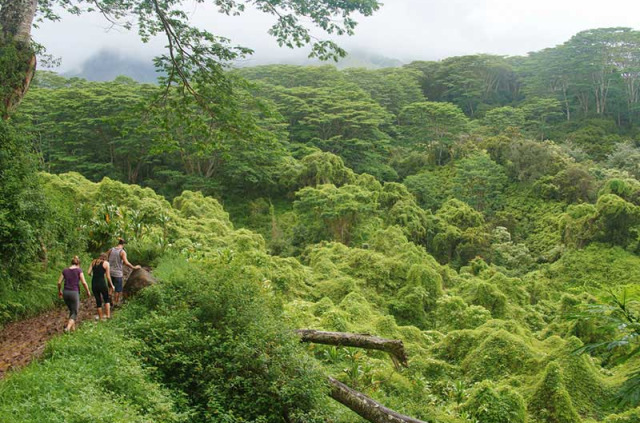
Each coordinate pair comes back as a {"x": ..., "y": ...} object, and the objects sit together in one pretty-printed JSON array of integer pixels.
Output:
[
  {"x": 100, "y": 313},
  {"x": 107, "y": 308},
  {"x": 70, "y": 325},
  {"x": 116, "y": 298}
]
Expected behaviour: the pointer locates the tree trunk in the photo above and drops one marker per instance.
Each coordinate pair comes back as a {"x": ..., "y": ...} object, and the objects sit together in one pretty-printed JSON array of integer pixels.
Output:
[
  {"x": 393, "y": 347},
  {"x": 16, "y": 18},
  {"x": 17, "y": 59},
  {"x": 567, "y": 105},
  {"x": 365, "y": 406}
]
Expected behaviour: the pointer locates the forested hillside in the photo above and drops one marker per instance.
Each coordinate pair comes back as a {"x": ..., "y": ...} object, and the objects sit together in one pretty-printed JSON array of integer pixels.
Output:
[{"x": 484, "y": 210}]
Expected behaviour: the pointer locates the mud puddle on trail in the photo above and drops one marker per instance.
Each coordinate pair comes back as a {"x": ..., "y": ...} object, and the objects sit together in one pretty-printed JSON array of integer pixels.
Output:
[{"x": 24, "y": 340}]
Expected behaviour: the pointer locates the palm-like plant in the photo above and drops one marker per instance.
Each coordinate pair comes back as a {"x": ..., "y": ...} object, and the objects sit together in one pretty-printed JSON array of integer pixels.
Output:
[{"x": 621, "y": 316}]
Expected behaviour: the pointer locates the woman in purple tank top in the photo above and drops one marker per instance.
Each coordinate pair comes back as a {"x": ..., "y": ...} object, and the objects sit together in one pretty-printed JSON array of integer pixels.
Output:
[{"x": 72, "y": 277}]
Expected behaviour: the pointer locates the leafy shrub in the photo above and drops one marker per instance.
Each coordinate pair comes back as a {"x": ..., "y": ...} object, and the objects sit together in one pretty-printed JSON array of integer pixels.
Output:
[
  {"x": 480, "y": 182},
  {"x": 454, "y": 313},
  {"x": 595, "y": 267},
  {"x": 145, "y": 252},
  {"x": 623, "y": 188},
  {"x": 590, "y": 392},
  {"x": 330, "y": 213},
  {"x": 22, "y": 207},
  {"x": 487, "y": 295},
  {"x": 431, "y": 188},
  {"x": 489, "y": 405},
  {"x": 416, "y": 301},
  {"x": 500, "y": 354},
  {"x": 460, "y": 215},
  {"x": 324, "y": 168},
  {"x": 578, "y": 225},
  {"x": 456, "y": 344},
  {"x": 617, "y": 217},
  {"x": 214, "y": 333},
  {"x": 551, "y": 402}
]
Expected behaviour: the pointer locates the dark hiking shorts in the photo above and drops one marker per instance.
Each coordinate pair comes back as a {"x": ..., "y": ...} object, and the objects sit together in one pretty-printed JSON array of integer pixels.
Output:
[{"x": 117, "y": 283}]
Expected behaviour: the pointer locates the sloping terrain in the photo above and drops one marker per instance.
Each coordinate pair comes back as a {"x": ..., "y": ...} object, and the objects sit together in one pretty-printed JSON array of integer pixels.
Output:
[{"x": 22, "y": 341}]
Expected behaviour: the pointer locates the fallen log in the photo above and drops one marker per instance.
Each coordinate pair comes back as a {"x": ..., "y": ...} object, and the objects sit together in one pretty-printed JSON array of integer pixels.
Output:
[
  {"x": 364, "y": 406},
  {"x": 393, "y": 347}
]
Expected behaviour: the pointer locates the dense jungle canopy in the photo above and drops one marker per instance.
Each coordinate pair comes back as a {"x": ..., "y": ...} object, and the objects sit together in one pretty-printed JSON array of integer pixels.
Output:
[{"x": 485, "y": 210}]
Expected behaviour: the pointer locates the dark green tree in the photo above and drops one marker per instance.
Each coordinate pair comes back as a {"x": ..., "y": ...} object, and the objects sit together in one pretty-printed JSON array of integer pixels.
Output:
[
  {"x": 617, "y": 218},
  {"x": 501, "y": 119},
  {"x": 480, "y": 182},
  {"x": 540, "y": 113},
  {"x": 478, "y": 79},
  {"x": 433, "y": 127},
  {"x": 392, "y": 88}
]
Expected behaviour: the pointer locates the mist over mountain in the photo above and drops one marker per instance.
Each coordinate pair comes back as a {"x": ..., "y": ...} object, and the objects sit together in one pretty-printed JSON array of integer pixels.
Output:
[
  {"x": 356, "y": 58},
  {"x": 107, "y": 64}
]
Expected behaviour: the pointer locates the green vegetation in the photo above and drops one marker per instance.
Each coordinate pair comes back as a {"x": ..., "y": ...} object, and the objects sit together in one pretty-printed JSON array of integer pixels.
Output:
[
  {"x": 462, "y": 206},
  {"x": 93, "y": 375}
]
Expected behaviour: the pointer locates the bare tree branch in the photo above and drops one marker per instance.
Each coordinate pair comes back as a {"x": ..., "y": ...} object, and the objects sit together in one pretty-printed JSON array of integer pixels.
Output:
[{"x": 393, "y": 347}]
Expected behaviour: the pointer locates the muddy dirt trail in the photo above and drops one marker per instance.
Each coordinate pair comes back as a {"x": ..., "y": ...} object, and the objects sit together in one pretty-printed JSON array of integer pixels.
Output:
[{"x": 24, "y": 340}]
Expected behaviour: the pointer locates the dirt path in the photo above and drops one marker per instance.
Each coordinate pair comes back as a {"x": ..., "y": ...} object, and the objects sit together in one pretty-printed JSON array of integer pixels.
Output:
[{"x": 22, "y": 341}]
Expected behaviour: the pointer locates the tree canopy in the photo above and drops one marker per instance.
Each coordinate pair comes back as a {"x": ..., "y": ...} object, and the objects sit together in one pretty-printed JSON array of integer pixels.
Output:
[{"x": 194, "y": 56}]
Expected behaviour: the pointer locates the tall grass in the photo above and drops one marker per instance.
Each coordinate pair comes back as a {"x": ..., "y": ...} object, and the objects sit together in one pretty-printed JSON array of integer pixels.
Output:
[{"x": 90, "y": 376}]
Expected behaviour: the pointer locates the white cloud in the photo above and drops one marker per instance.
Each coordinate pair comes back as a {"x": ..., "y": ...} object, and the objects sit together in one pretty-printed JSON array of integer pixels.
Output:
[{"x": 403, "y": 29}]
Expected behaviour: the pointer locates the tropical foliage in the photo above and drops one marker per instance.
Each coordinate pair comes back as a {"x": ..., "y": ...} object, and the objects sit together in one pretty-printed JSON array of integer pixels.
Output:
[{"x": 484, "y": 210}]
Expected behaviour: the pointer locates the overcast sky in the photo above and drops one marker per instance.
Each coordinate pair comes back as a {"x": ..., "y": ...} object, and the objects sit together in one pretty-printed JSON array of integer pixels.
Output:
[{"x": 402, "y": 29}]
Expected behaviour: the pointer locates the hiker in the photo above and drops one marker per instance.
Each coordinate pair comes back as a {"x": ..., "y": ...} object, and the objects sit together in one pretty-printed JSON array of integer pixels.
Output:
[
  {"x": 118, "y": 257},
  {"x": 99, "y": 269},
  {"x": 72, "y": 276}
]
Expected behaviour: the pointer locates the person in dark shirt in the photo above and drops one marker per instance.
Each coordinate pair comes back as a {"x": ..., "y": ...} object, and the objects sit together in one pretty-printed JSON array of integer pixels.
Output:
[
  {"x": 99, "y": 269},
  {"x": 72, "y": 277}
]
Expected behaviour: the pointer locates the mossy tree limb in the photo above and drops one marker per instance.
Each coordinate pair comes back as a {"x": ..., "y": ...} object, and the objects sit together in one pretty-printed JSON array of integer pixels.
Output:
[
  {"x": 365, "y": 406},
  {"x": 393, "y": 347}
]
